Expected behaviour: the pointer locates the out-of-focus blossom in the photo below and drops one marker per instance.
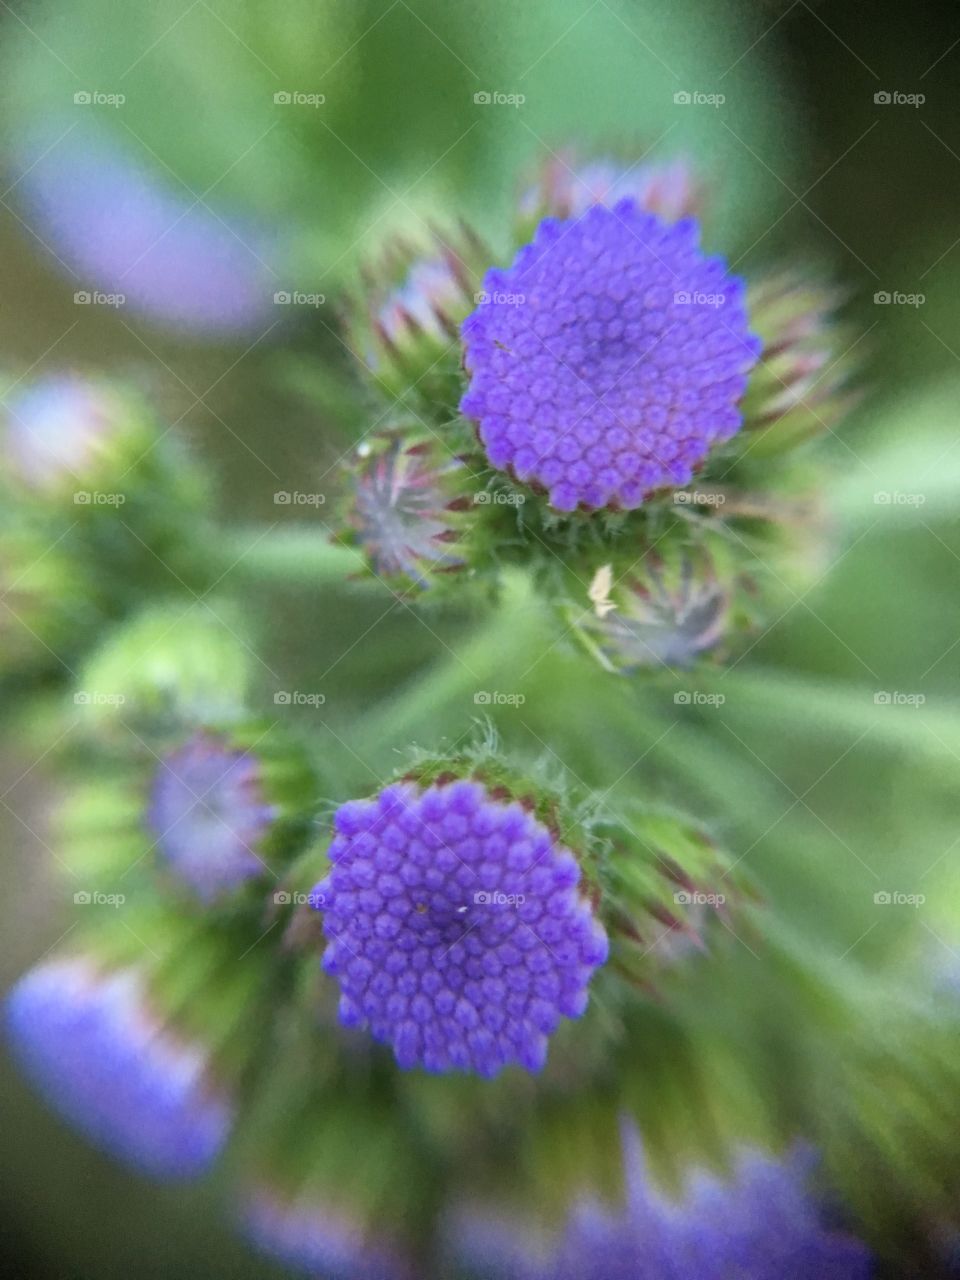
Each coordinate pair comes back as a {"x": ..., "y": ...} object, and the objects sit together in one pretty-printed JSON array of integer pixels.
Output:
[
  {"x": 209, "y": 815},
  {"x": 764, "y": 1222},
  {"x": 95, "y": 1046},
  {"x": 130, "y": 228}
]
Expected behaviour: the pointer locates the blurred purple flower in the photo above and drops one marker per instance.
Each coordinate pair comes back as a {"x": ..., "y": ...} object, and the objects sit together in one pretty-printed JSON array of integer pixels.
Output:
[
  {"x": 208, "y": 814},
  {"x": 320, "y": 1240},
  {"x": 608, "y": 359},
  {"x": 93, "y": 1046},
  {"x": 764, "y": 1223},
  {"x": 129, "y": 228},
  {"x": 456, "y": 927},
  {"x": 59, "y": 427}
]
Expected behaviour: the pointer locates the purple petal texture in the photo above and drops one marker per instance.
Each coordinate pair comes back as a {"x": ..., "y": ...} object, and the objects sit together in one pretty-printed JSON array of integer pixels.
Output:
[
  {"x": 93, "y": 1047},
  {"x": 127, "y": 226},
  {"x": 456, "y": 927},
  {"x": 208, "y": 814},
  {"x": 609, "y": 358},
  {"x": 763, "y": 1223},
  {"x": 320, "y": 1240}
]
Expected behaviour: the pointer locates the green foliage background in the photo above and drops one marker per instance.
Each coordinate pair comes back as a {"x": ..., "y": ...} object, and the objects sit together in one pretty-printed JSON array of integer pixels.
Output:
[{"x": 827, "y": 796}]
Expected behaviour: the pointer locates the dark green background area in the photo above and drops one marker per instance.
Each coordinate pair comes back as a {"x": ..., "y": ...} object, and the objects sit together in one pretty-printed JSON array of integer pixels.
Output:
[{"x": 808, "y": 168}]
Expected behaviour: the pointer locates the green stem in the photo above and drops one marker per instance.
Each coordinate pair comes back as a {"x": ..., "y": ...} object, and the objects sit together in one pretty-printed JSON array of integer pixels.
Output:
[
  {"x": 302, "y": 555},
  {"x": 498, "y": 654}
]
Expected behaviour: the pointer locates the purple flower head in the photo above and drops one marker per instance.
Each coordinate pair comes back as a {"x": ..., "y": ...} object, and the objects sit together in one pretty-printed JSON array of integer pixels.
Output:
[
  {"x": 320, "y": 1239},
  {"x": 764, "y": 1223},
  {"x": 402, "y": 508},
  {"x": 132, "y": 230},
  {"x": 456, "y": 927},
  {"x": 99, "y": 1054},
  {"x": 609, "y": 358},
  {"x": 60, "y": 426},
  {"x": 208, "y": 815}
]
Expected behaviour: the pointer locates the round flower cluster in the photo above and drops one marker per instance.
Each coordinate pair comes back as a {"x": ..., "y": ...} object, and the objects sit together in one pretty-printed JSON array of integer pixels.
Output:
[
  {"x": 92, "y": 1044},
  {"x": 609, "y": 358},
  {"x": 456, "y": 927}
]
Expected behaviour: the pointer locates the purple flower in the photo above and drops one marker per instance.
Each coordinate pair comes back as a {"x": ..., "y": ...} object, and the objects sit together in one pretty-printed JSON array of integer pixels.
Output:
[
  {"x": 609, "y": 359},
  {"x": 59, "y": 427},
  {"x": 456, "y": 927},
  {"x": 127, "y": 229},
  {"x": 764, "y": 1223},
  {"x": 320, "y": 1239},
  {"x": 208, "y": 814},
  {"x": 100, "y": 1055}
]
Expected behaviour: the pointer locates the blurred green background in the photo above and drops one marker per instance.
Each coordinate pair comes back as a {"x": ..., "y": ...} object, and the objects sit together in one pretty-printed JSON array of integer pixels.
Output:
[{"x": 828, "y": 795}]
